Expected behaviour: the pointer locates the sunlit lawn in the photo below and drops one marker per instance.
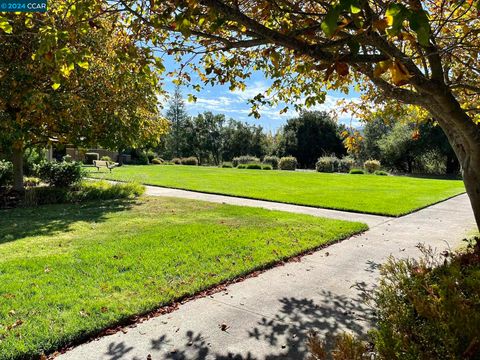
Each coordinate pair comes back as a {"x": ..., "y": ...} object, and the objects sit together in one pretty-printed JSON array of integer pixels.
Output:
[
  {"x": 69, "y": 271},
  {"x": 386, "y": 195}
]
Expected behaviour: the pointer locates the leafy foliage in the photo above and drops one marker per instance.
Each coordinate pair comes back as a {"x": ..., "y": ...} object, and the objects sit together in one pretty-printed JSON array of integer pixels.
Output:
[
  {"x": 309, "y": 136},
  {"x": 327, "y": 164},
  {"x": 244, "y": 159},
  {"x": 356, "y": 171},
  {"x": 6, "y": 172},
  {"x": 189, "y": 161},
  {"x": 287, "y": 163},
  {"x": 372, "y": 165},
  {"x": 60, "y": 174},
  {"x": 429, "y": 308},
  {"x": 271, "y": 160}
]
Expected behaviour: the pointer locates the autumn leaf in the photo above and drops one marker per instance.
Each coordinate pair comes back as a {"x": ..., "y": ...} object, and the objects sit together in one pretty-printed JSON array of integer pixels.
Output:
[
  {"x": 342, "y": 69},
  {"x": 400, "y": 74}
]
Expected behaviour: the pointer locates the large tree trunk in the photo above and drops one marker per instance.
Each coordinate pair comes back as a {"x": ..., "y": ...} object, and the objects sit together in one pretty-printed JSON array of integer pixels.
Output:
[
  {"x": 17, "y": 160},
  {"x": 464, "y": 136}
]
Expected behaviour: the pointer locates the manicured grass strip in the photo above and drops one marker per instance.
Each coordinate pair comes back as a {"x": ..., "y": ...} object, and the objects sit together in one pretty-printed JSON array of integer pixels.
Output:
[
  {"x": 67, "y": 271},
  {"x": 384, "y": 195}
]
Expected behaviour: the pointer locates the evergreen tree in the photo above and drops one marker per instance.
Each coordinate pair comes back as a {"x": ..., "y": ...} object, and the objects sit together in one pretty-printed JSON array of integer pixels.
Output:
[{"x": 178, "y": 117}]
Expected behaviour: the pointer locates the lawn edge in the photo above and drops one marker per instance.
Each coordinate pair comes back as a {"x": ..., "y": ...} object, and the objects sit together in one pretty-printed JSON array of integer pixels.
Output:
[
  {"x": 132, "y": 321},
  {"x": 289, "y": 203}
]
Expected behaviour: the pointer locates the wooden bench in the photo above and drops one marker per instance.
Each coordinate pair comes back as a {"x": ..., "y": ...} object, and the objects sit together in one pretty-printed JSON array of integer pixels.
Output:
[{"x": 104, "y": 164}]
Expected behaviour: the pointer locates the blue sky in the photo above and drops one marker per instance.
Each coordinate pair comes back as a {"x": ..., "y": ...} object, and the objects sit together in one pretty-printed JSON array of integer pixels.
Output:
[{"x": 234, "y": 104}]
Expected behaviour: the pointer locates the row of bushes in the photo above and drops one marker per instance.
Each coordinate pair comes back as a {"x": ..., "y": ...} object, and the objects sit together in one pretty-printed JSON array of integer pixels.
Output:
[
  {"x": 59, "y": 174},
  {"x": 82, "y": 191},
  {"x": 284, "y": 163},
  {"x": 330, "y": 164}
]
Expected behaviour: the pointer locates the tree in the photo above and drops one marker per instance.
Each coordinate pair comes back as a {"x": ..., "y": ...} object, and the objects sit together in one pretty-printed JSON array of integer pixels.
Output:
[
  {"x": 418, "y": 52},
  {"x": 309, "y": 136},
  {"x": 57, "y": 92},
  {"x": 243, "y": 139},
  {"x": 178, "y": 117},
  {"x": 206, "y": 130}
]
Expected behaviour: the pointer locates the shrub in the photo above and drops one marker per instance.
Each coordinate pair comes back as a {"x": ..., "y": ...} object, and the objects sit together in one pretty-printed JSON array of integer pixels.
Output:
[
  {"x": 267, "y": 167},
  {"x": 226, "y": 165},
  {"x": 254, "y": 166},
  {"x": 345, "y": 347},
  {"x": 372, "y": 165},
  {"x": 31, "y": 158},
  {"x": 157, "y": 161},
  {"x": 151, "y": 155},
  {"x": 429, "y": 308},
  {"x": 89, "y": 157},
  {"x": 272, "y": 161},
  {"x": 104, "y": 190},
  {"x": 244, "y": 159},
  {"x": 60, "y": 174},
  {"x": 346, "y": 164},
  {"x": 176, "y": 161},
  {"x": 287, "y": 163},
  {"x": 242, "y": 166},
  {"x": 67, "y": 158},
  {"x": 31, "y": 181},
  {"x": 327, "y": 164},
  {"x": 6, "y": 173},
  {"x": 191, "y": 160},
  {"x": 356, "y": 171},
  {"x": 381, "y": 173},
  {"x": 106, "y": 158},
  {"x": 84, "y": 191},
  {"x": 141, "y": 158}
]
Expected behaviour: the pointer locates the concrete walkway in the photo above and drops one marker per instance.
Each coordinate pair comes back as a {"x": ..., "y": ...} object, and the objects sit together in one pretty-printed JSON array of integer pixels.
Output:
[{"x": 269, "y": 316}]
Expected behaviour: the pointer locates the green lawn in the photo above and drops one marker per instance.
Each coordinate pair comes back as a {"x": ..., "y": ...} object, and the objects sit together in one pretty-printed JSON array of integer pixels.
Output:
[
  {"x": 68, "y": 271},
  {"x": 385, "y": 195}
]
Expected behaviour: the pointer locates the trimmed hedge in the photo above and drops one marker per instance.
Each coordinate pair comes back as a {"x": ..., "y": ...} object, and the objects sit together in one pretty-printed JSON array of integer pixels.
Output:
[
  {"x": 244, "y": 159},
  {"x": 372, "y": 165},
  {"x": 288, "y": 163},
  {"x": 254, "y": 166},
  {"x": 272, "y": 161},
  {"x": 191, "y": 160},
  {"x": 381, "y": 173},
  {"x": 356, "y": 171}
]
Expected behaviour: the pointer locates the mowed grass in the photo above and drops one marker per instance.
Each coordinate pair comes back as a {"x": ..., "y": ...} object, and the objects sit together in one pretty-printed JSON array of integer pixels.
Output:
[
  {"x": 69, "y": 271},
  {"x": 384, "y": 195}
]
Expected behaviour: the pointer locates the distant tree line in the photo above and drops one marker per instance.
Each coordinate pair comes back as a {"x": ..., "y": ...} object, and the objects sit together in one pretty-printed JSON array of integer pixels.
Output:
[
  {"x": 408, "y": 147},
  {"x": 212, "y": 139}
]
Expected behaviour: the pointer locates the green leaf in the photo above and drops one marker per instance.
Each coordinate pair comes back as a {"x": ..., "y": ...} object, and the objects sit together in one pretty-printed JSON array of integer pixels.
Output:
[
  {"x": 396, "y": 14},
  {"x": 329, "y": 24},
  {"x": 83, "y": 64},
  {"x": 5, "y": 25},
  {"x": 420, "y": 24}
]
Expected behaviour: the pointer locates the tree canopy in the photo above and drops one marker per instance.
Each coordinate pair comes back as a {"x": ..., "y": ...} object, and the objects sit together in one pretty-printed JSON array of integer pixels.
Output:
[
  {"x": 418, "y": 52},
  {"x": 79, "y": 90}
]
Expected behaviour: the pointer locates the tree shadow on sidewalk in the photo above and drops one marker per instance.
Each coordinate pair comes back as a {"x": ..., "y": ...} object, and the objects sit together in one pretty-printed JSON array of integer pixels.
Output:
[{"x": 284, "y": 335}]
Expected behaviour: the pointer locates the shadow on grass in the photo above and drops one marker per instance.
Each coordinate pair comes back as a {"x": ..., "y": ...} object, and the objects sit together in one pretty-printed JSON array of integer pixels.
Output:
[
  {"x": 285, "y": 334},
  {"x": 49, "y": 219}
]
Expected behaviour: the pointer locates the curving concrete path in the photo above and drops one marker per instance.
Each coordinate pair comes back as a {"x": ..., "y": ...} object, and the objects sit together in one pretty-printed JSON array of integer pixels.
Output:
[{"x": 270, "y": 316}]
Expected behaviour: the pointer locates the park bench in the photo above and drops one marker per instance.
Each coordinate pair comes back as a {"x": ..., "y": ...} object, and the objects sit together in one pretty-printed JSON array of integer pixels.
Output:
[{"x": 104, "y": 164}]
